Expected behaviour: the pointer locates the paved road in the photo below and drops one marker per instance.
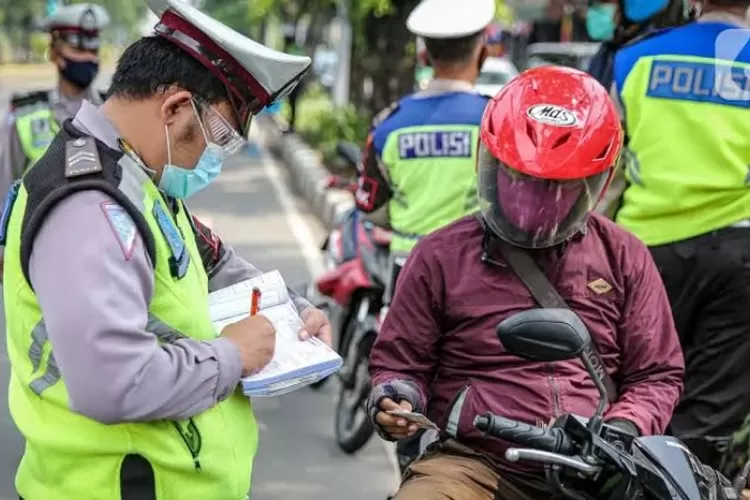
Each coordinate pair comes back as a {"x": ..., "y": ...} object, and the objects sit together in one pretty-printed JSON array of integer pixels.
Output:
[{"x": 298, "y": 460}]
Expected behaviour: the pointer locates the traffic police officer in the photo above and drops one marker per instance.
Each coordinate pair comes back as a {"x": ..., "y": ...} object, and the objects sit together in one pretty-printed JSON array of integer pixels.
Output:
[
  {"x": 119, "y": 383},
  {"x": 418, "y": 170},
  {"x": 36, "y": 117},
  {"x": 684, "y": 95}
]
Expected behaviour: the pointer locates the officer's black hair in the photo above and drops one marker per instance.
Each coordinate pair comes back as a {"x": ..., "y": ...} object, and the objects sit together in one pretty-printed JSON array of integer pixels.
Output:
[
  {"x": 452, "y": 50},
  {"x": 154, "y": 63}
]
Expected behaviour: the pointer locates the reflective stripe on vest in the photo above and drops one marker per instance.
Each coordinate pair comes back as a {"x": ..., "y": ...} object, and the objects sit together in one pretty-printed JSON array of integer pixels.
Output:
[
  {"x": 36, "y": 129},
  {"x": 51, "y": 376}
]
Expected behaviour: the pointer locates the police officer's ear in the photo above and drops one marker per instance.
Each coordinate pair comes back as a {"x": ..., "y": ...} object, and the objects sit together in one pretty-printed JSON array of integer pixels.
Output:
[
  {"x": 483, "y": 52},
  {"x": 52, "y": 54},
  {"x": 176, "y": 106}
]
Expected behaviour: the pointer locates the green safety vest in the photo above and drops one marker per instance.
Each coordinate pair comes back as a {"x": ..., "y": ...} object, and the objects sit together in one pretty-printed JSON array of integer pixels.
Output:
[
  {"x": 70, "y": 456},
  {"x": 689, "y": 153},
  {"x": 430, "y": 192},
  {"x": 36, "y": 127}
]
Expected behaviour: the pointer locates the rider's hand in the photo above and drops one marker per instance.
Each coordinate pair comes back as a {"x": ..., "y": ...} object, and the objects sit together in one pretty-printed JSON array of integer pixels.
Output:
[
  {"x": 316, "y": 324},
  {"x": 255, "y": 337},
  {"x": 397, "y": 428}
]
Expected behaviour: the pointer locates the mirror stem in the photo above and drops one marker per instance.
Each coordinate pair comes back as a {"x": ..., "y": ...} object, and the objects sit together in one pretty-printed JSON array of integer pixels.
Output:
[{"x": 595, "y": 424}]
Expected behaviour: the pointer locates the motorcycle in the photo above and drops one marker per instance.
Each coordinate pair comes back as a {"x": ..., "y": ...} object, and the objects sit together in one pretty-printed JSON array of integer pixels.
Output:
[
  {"x": 351, "y": 293},
  {"x": 582, "y": 454}
]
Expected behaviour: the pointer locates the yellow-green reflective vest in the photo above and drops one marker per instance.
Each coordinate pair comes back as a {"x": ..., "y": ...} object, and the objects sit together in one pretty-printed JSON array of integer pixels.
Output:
[{"x": 36, "y": 127}]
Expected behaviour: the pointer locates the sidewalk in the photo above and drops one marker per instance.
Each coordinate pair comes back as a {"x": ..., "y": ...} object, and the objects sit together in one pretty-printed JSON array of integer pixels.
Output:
[{"x": 27, "y": 75}]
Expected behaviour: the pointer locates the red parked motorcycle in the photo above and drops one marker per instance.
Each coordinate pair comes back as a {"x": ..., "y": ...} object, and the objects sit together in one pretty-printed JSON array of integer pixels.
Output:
[{"x": 351, "y": 292}]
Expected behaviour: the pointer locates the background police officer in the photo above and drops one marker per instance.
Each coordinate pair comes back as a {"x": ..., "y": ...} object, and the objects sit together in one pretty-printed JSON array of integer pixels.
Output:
[
  {"x": 36, "y": 117},
  {"x": 685, "y": 96},
  {"x": 418, "y": 169},
  {"x": 120, "y": 384},
  {"x": 618, "y": 22}
]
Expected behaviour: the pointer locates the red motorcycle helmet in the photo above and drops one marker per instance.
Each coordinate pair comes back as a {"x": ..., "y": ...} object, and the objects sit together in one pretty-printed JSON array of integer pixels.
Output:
[{"x": 550, "y": 141}]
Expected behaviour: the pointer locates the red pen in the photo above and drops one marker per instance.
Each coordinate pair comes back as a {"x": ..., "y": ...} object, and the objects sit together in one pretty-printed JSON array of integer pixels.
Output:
[{"x": 255, "y": 302}]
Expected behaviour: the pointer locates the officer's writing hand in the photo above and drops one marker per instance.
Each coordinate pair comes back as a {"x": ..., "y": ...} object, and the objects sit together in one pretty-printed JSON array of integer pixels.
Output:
[
  {"x": 255, "y": 337},
  {"x": 316, "y": 324},
  {"x": 397, "y": 428}
]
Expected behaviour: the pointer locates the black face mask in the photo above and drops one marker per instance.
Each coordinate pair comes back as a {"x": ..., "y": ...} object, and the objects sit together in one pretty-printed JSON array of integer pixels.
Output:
[{"x": 80, "y": 73}]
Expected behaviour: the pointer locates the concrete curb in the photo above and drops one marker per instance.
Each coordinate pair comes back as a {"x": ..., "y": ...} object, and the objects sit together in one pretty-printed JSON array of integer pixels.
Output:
[{"x": 307, "y": 171}]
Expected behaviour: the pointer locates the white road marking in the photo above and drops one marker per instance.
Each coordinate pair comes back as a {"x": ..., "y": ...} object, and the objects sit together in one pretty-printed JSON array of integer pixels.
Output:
[
  {"x": 300, "y": 230},
  {"x": 206, "y": 220},
  {"x": 313, "y": 259}
]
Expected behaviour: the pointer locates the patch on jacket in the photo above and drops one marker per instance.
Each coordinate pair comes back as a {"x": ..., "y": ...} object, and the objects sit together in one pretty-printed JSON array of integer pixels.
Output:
[
  {"x": 122, "y": 226},
  {"x": 600, "y": 286}
]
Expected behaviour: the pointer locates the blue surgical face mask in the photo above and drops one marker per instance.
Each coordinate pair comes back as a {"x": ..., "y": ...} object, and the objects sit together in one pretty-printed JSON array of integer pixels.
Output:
[
  {"x": 183, "y": 183},
  {"x": 600, "y": 21}
]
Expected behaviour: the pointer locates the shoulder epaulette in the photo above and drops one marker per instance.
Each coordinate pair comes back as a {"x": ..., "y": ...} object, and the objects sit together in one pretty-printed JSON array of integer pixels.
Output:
[
  {"x": 383, "y": 115},
  {"x": 81, "y": 157},
  {"x": 18, "y": 101}
]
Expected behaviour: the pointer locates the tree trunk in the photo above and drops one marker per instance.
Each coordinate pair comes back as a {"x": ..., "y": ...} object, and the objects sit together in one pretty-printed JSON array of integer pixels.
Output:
[{"x": 389, "y": 63}]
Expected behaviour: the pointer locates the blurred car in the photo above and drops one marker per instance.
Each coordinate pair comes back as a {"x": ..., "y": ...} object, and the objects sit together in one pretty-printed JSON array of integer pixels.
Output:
[
  {"x": 325, "y": 66},
  {"x": 573, "y": 55},
  {"x": 496, "y": 73}
]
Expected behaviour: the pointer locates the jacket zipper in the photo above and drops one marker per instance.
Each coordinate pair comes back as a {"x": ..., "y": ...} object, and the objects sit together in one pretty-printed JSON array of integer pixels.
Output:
[
  {"x": 192, "y": 439},
  {"x": 555, "y": 391}
]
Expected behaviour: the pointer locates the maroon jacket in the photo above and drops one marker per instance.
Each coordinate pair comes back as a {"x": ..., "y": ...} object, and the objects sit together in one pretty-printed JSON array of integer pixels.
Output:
[{"x": 440, "y": 335}]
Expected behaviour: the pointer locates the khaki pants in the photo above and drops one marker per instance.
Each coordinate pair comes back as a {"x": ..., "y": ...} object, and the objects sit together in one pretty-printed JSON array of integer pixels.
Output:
[{"x": 451, "y": 471}]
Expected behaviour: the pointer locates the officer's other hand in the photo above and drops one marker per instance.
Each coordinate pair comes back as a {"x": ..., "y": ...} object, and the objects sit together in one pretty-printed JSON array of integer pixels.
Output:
[
  {"x": 316, "y": 324},
  {"x": 255, "y": 337},
  {"x": 397, "y": 428}
]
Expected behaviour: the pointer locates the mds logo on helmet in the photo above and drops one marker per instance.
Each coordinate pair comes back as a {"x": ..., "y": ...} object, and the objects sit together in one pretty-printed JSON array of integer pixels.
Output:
[{"x": 552, "y": 115}]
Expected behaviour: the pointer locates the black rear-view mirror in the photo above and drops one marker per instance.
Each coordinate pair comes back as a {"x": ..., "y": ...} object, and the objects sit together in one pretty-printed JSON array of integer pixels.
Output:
[{"x": 544, "y": 335}]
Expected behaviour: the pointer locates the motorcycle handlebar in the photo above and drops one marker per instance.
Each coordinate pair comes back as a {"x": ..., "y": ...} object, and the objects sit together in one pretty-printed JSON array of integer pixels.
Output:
[{"x": 552, "y": 440}]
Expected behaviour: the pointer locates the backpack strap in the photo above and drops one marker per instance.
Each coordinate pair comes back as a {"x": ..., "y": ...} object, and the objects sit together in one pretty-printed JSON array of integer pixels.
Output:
[{"x": 546, "y": 295}]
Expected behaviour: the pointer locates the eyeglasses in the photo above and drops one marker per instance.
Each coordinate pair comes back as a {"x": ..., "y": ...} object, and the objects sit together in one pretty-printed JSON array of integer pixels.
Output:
[
  {"x": 80, "y": 40},
  {"x": 217, "y": 129}
]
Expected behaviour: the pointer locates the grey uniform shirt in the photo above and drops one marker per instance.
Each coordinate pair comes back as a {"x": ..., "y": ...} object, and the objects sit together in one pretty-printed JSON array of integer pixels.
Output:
[
  {"x": 95, "y": 294},
  {"x": 13, "y": 161}
]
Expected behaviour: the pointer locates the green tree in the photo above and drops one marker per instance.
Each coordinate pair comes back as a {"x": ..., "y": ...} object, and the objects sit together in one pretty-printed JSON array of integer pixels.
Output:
[{"x": 234, "y": 13}]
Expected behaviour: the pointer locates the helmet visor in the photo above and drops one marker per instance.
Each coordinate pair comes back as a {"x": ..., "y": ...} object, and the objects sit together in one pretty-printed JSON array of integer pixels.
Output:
[{"x": 531, "y": 212}]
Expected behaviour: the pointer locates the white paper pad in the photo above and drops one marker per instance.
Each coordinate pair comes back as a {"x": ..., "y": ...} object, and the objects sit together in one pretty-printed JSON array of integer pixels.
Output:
[{"x": 295, "y": 363}]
